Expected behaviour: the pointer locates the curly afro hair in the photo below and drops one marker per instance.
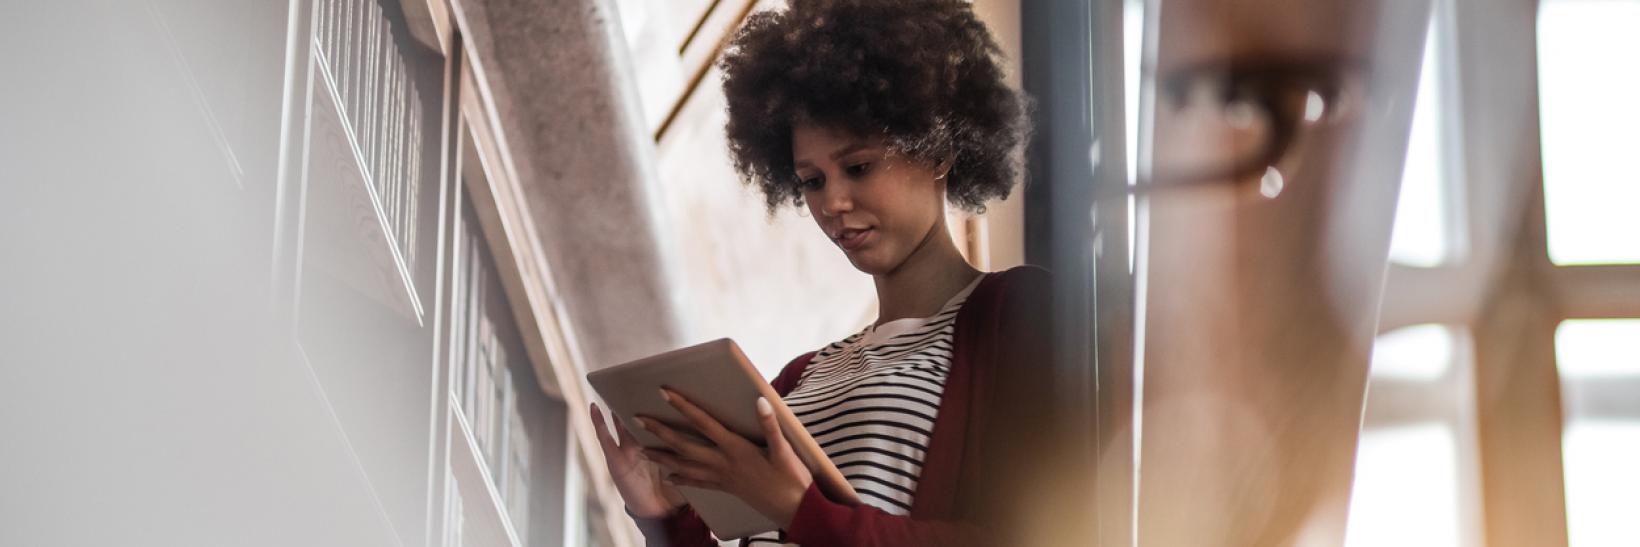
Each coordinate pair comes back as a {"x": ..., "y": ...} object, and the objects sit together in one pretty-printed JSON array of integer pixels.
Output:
[{"x": 923, "y": 74}]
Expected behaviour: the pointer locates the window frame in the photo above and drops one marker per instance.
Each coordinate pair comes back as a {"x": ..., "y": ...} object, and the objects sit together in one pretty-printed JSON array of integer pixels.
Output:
[{"x": 1503, "y": 288}]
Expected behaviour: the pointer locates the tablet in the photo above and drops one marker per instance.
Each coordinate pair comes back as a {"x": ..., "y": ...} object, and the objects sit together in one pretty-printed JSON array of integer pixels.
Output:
[{"x": 719, "y": 379}]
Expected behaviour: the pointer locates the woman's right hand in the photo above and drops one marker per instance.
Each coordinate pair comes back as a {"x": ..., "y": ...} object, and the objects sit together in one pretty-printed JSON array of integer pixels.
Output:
[{"x": 637, "y": 478}]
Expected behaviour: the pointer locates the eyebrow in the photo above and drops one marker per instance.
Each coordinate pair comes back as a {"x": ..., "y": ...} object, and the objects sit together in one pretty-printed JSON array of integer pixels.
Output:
[{"x": 838, "y": 154}]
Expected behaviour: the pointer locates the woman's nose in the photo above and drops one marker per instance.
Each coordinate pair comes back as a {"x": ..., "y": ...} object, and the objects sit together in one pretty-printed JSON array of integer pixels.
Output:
[{"x": 835, "y": 199}]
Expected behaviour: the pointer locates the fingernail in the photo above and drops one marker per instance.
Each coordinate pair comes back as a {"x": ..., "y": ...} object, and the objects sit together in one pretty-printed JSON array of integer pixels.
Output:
[
  {"x": 665, "y": 395},
  {"x": 644, "y": 423},
  {"x": 764, "y": 409}
]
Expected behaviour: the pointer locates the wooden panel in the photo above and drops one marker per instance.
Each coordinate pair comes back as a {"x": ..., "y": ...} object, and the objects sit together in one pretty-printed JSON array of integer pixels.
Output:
[
  {"x": 1519, "y": 414},
  {"x": 1518, "y": 410},
  {"x": 429, "y": 23},
  {"x": 1597, "y": 291}
]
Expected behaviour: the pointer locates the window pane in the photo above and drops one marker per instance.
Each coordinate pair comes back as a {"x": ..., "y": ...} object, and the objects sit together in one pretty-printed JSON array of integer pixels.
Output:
[
  {"x": 1421, "y": 236},
  {"x": 1416, "y": 459},
  {"x": 1599, "y": 364},
  {"x": 1587, "y": 85},
  {"x": 1597, "y": 347},
  {"x": 1406, "y": 488},
  {"x": 1602, "y": 485},
  {"x": 1418, "y": 352}
]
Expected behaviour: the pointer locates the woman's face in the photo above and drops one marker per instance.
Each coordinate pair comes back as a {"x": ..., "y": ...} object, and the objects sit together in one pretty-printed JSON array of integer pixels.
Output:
[{"x": 876, "y": 205}]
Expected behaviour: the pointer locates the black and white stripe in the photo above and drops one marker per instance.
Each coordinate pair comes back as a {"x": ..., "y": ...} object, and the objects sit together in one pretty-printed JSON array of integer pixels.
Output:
[{"x": 871, "y": 399}]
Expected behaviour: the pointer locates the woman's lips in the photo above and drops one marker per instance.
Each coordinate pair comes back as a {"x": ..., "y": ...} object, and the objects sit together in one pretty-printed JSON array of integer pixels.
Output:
[{"x": 852, "y": 239}]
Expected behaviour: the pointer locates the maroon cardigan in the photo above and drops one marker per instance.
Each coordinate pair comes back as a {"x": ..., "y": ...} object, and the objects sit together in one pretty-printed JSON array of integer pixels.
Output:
[{"x": 998, "y": 379}]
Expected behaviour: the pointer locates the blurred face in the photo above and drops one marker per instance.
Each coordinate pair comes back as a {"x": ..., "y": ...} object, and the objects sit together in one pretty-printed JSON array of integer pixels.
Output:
[
  {"x": 1263, "y": 283},
  {"x": 878, "y": 206}
]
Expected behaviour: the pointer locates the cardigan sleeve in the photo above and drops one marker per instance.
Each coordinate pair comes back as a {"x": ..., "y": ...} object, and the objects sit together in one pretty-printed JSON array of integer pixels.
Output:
[
  {"x": 788, "y": 378},
  {"x": 820, "y": 522},
  {"x": 682, "y": 528},
  {"x": 1036, "y": 493}
]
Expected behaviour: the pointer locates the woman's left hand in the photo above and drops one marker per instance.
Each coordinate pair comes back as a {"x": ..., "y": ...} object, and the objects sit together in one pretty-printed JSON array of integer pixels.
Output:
[{"x": 771, "y": 480}]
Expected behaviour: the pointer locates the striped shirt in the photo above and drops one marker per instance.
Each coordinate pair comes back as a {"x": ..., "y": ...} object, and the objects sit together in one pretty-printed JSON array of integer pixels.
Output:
[{"x": 870, "y": 401}]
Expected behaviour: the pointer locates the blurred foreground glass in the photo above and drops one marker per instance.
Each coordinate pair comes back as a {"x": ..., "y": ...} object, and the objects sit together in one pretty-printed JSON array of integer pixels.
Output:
[
  {"x": 1417, "y": 477},
  {"x": 1271, "y": 137}
]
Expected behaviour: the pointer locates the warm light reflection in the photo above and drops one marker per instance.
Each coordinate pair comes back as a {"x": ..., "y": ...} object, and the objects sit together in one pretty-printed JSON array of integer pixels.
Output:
[
  {"x": 1271, "y": 184},
  {"x": 1587, "y": 85},
  {"x": 1314, "y": 107}
]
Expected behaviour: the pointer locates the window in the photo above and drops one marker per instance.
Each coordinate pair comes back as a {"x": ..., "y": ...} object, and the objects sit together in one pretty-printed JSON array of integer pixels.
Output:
[
  {"x": 1405, "y": 489},
  {"x": 1599, "y": 362},
  {"x": 1423, "y": 234},
  {"x": 515, "y": 431},
  {"x": 1415, "y": 476},
  {"x": 1416, "y": 443},
  {"x": 487, "y": 365},
  {"x": 1590, "y": 128}
]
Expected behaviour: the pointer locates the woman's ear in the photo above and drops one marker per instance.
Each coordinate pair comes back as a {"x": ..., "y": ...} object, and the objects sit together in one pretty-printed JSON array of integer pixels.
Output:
[{"x": 942, "y": 167}]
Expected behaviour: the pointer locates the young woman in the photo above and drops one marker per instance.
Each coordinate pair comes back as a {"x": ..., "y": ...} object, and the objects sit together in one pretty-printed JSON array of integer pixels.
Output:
[{"x": 875, "y": 115}]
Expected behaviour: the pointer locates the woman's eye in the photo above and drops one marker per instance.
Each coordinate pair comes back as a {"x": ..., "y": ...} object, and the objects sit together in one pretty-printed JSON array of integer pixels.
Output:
[
  {"x": 810, "y": 184},
  {"x": 858, "y": 169}
]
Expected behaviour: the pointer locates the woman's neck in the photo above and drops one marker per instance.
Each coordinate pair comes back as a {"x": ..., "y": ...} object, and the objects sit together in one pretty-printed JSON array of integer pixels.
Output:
[{"x": 933, "y": 273}]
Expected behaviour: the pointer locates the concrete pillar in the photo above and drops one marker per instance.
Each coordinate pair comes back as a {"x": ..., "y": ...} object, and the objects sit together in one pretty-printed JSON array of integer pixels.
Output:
[{"x": 559, "y": 79}]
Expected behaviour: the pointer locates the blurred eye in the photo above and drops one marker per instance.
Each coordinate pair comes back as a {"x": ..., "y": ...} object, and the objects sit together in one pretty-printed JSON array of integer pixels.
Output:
[
  {"x": 1228, "y": 120},
  {"x": 810, "y": 184},
  {"x": 1243, "y": 99},
  {"x": 858, "y": 169}
]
